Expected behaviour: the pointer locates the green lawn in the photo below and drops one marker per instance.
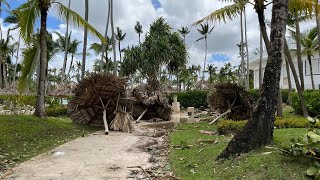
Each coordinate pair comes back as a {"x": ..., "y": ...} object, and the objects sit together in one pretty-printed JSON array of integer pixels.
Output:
[
  {"x": 196, "y": 160},
  {"x": 23, "y": 137}
]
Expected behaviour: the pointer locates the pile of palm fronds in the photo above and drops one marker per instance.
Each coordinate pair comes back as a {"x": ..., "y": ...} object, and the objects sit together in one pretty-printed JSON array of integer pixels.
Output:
[
  {"x": 98, "y": 93},
  {"x": 153, "y": 102},
  {"x": 231, "y": 96},
  {"x": 63, "y": 90}
]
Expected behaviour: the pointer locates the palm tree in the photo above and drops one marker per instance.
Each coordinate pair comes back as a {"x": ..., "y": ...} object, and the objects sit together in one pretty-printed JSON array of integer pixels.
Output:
[
  {"x": 73, "y": 47},
  {"x": 7, "y": 4},
  {"x": 14, "y": 19},
  {"x": 138, "y": 28},
  {"x": 28, "y": 14},
  {"x": 184, "y": 31},
  {"x": 106, "y": 45},
  {"x": 204, "y": 31},
  {"x": 85, "y": 40},
  {"x": 98, "y": 48},
  {"x": 120, "y": 37},
  {"x": 212, "y": 70},
  {"x": 309, "y": 44},
  {"x": 113, "y": 40},
  {"x": 65, "y": 59}
]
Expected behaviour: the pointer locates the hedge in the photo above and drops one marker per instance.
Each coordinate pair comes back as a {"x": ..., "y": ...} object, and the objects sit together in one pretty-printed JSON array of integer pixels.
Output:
[
  {"x": 230, "y": 126},
  {"x": 58, "y": 111},
  {"x": 254, "y": 94},
  {"x": 312, "y": 99},
  {"x": 191, "y": 98}
]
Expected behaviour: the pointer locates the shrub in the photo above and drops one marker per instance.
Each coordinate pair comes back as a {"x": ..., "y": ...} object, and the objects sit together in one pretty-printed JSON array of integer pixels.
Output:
[
  {"x": 229, "y": 126},
  {"x": 312, "y": 99},
  {"x": 254, "y": 94},
  {"x": 19, "y": 100},
  {"x": 191, "y": 98},
  {"x": 57, "y": 111}
]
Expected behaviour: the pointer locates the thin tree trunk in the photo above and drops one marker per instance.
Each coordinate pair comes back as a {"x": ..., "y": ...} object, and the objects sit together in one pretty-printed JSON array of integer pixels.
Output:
[
  {"x": 17, "y": 58},
  {"x": 104, "y": 45},
  {"x": 259, "y": 129},
  {"x": 139, "y": 38},
  {"x": 298, "y": 42},
  {"x": 279, "y": 104},
  {"x": 85, "y": 39},
  {"x": 40, "y": 103},
  {"x": 1, "y": 74},
  {"x": 0, "y": 17},
  {"x": 4, "y": 72},
  {"x": 296, "y": 79},
  {"x": 311, "y": 72},
  {"x": 318, "y": 25},
  {"x": 65, "y": 59},
  {"x": 241, "y": 50},
  {"x": 247, "y": 49},
  {"x": 119, "y": 50},
  {"x": 72, "y": 56},
  {"x": 260, "y": 61},
  {"x": 113, "y": 42},
  {"x": 289, "y": 82},
  {"x": 205, "y": 59}
]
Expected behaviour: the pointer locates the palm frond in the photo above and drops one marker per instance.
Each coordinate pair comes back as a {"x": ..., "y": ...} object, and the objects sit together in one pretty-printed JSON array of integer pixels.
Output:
[
  {"x": 226, "y": 13},
  {"x": 76, "y": 19},
  {"x": 301, "y": 6},
  {"x": 28, "y": 14},
  {"x": 199, "y": 39},
  {"x": 31, "y": 57}
]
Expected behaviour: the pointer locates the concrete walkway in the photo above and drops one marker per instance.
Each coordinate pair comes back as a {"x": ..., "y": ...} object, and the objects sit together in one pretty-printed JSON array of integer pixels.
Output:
[{"x": 95, "y": 157}]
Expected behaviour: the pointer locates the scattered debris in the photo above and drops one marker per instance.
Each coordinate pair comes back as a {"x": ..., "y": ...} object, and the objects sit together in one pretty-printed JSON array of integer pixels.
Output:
[{"x": 208, "y": 132}]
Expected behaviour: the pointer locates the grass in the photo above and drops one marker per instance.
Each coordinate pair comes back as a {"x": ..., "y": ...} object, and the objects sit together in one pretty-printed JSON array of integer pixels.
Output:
[
  {"x": 198, "y": 161},
  {"x": 23, "y": 137}
]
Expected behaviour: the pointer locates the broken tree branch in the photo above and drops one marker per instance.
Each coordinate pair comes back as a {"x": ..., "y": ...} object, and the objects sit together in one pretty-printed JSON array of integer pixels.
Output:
[
  {"x": 223, "y": 114},
  {"x": 139, "y": 118}
]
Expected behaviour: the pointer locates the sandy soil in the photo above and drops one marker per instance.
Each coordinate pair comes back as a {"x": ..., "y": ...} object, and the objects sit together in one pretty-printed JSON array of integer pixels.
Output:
[{"x": 97, "y": 156}]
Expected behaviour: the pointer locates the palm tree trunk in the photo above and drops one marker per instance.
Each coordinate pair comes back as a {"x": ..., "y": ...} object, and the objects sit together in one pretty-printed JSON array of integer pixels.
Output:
[
  {"x": 4, "y": 72},
  {"x": 311, "y": 72},
  {"x": 17, "y": 57},
  {"x": 65, "y": 59},
  {"x": 40, "y": 103},
  {"x": 119, "y": 50},
  {"x": 113, "y": 42},
  {"x": 72, "y": 56},
  {"x": 259, "y": 129},
  {"x": 318, "y": 24},
  {"x": 296, "y": 79},
  {"x": 260, "y": 61},
  {"x": 205, "y": 58},
  {"x": 85, "y": 40},
  {"x": 139, "y": 38},
  {"x": 0, "y": 17},
  {"x": 298, "y": 41},
  {"x": 241, "y": 50},
  {"x": 104, "y": 45},
  {"x": 247, "y": 49},
  {"x": 279, "y": 104},
  {"x": 289, "y": 82}
]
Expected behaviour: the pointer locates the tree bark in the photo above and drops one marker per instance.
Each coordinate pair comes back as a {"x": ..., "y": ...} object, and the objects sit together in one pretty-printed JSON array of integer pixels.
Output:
[
  {"x": 243, "y": 80},
  {"x": 260, "y": 61},
  {"x": 65, "y": 59},
  {"x": 17, "y": 58},
  {"x": 72, "y": 56},
  {"x": 259, "y": 129},
  {"x": 279, "y": 104},
  {"x": 289, "y": 82},
  {"x": 296, "y": 79},
  {"x": 119, "y": 46},
  {"x": 298, "y": 42},
  {"x": 205, "y": 60},
  {"x": 113, "y": 42},
  {"x": 85, "y": 40},
  {"x": 318, "y": 24},
  {"x": 247, "y": 50},
  {"x": 104, "y": 45},
  {"x": 4, "y": 72},
  {"x": 311, "y": 72},
  {"x": 40, "y": 102}
]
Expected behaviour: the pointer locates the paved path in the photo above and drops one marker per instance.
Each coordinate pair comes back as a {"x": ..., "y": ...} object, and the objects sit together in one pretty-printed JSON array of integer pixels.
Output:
[{"x": 95, "y": 157}]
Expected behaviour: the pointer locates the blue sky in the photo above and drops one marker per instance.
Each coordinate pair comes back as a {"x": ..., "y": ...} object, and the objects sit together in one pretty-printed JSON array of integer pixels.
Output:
[
  {"x": 156, "y": 4},
  {"x": 218, "y": 58}
]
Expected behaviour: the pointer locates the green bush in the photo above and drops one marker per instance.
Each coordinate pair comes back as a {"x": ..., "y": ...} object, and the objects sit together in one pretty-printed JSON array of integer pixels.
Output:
[
  {"x": 312, "y": 99},
  {"x": 19, "y": 100},
  {"x": 191, "y": 98},
  {"x": 255, "y": 94},
  {"x": 57, "y": 111},
  {"x": 230, "y": 126}
]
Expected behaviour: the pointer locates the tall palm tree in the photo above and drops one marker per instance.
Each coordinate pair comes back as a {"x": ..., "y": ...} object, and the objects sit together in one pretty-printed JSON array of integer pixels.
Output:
[
  {"x": 106, "y": 45},
  {"x": 309, "y": 44},
  {"x": 1, "y": 8},
  {"x": 98, "y": 48},
  {"x": 204, "y": 31},
  {"x": 14, "y": 19},
  {"x": 113, "y": 37},
  {"x": 138, "y": 29},
  {"x": 65, "y": 59},
  {"x": 120, "y": 37},
  {"x": 212, "y": 70},
  {"x": 85, "y": 40},
  {"x": 28, "y": 14},
  {"x": 184, "y": 31},
  {"x": 73, "y": 47}
]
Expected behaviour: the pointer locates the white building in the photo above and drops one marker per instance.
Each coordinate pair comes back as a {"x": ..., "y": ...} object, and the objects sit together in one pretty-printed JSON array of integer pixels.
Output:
[{"x": 254, "y": 65}]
